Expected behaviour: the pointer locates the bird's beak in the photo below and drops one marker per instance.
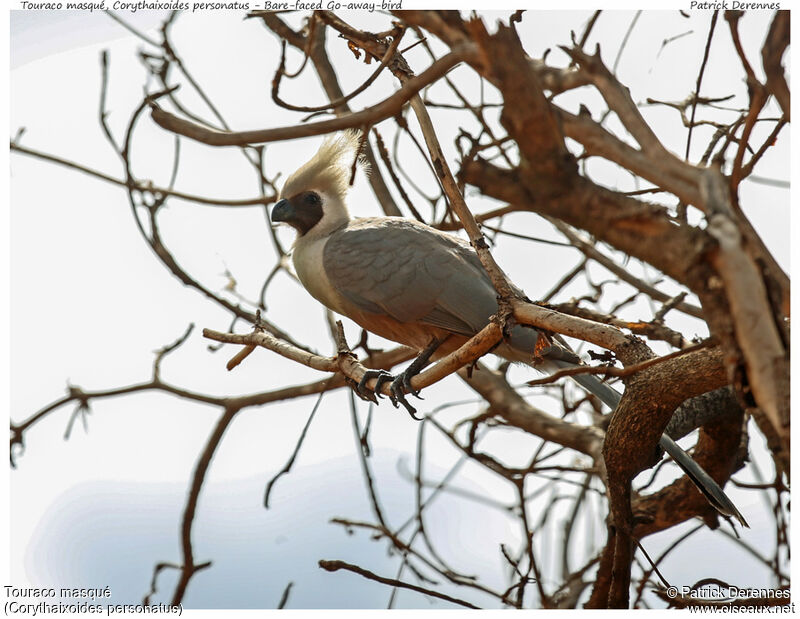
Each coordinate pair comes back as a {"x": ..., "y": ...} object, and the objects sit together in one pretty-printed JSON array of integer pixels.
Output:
[{"x": 283, "y": 211}]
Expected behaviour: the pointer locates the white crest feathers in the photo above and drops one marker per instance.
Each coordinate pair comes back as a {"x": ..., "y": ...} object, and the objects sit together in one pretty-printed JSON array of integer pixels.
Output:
[{"x": 330, "y": 169}]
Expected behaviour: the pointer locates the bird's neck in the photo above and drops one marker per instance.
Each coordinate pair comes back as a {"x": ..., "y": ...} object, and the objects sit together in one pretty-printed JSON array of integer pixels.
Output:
[{"x": 335, "y": 217}]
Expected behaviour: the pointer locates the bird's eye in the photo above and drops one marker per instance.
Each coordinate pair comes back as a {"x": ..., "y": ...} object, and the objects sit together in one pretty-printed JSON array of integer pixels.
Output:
[{"x": 312, "y": 197}]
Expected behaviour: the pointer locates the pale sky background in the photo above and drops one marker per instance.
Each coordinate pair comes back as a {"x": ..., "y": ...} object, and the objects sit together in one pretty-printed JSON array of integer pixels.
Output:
[{"x": 89, "y": 304}]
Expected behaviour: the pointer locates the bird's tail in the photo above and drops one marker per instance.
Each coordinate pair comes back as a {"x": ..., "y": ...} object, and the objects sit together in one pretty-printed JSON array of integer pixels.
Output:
[{"x": 702, "y": 480}]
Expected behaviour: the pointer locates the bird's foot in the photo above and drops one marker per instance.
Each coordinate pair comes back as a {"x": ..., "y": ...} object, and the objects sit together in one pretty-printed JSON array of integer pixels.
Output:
[
  {"x": 373, "y": 394},
  {"x": 402, "y": 385},
  {"x": 365, "y": 394},
  {"x": 399, "y": 385}
]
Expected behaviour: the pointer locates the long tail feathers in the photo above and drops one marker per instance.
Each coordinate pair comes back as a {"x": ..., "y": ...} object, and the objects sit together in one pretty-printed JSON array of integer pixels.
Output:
[{"x": 705, "y": 484}]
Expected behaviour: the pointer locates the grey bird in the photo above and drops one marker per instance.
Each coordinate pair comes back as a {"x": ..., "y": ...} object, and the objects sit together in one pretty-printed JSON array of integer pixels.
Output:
[{"x": 410, "y": 283}]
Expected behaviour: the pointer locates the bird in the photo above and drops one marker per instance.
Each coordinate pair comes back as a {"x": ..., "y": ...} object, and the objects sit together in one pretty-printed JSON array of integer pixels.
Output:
[{"x": 410, "y": 283}]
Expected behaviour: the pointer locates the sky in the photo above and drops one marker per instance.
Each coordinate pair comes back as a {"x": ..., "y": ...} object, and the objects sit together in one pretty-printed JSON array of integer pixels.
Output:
[{"x": 89, "y": 304}]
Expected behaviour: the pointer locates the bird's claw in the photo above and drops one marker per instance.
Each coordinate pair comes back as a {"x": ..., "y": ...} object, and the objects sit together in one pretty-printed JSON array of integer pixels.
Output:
[
  {"x": 398, "y": 397},
  {"x": 405, "y": 380},
  {"x": 383, "y": 377},
  {"x": 400, "y": 384},
  {"x": 380, "y": 376},
  {"x": 365, "y": 394}
]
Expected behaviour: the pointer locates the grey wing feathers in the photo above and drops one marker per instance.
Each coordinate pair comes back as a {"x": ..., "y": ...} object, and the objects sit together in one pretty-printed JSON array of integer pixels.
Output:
[{"x": 410, "y": 272}]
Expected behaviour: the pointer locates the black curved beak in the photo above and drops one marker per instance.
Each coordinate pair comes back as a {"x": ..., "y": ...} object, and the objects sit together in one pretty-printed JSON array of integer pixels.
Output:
[{"x": 283, "y": 211}]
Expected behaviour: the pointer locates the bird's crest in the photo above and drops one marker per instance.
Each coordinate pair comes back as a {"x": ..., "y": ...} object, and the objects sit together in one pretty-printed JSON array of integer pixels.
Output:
[{"x": 330, "y": 169}]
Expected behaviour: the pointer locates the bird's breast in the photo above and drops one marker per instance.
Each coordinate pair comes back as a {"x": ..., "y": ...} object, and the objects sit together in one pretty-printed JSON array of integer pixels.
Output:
[{"x": 310, "y": 269}]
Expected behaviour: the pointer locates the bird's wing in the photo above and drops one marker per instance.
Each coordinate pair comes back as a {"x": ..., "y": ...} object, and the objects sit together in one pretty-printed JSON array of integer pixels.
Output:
[{"x": 411, "y": 273}]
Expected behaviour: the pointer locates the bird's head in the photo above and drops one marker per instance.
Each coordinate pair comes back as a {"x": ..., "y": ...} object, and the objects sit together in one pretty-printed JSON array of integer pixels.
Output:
[{"x": 312, "y": 200}]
